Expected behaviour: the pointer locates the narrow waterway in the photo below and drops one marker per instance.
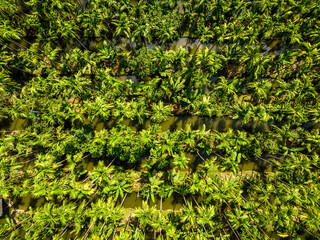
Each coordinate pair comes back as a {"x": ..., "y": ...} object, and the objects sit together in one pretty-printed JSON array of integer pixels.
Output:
[{"x": 171, "y": 124}]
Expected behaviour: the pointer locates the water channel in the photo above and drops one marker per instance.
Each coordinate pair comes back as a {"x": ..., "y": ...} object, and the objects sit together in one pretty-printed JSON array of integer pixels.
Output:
[{"x": 171, "y": 124}]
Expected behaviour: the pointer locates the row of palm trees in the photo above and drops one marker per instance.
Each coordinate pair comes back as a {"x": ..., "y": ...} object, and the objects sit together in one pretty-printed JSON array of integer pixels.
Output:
[
  {"x": 141, "y": 109},
  {"x": 162, "y": 22},
  {"x": 60, "y": 63},
  {"x": 182, "y": 84},
  {"x": 291, "y": 152},
  {"x": 247, "y": 78},
  {"x": 215, "y": 206}
]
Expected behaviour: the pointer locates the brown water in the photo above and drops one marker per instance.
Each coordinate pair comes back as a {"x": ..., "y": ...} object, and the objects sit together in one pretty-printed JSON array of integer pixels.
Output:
[
  {"x": 133, "y": 200},
  {"x": 190, "y": 44},
  {"x": 10, "y": 127},
  {"x": 181, "y": 122},
  {"x": 172, "y": 123}
]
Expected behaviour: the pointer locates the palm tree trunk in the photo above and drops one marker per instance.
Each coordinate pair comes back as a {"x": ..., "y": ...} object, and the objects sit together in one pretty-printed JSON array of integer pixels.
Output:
[
  {"x": 19, "y": 45},
  {"x": 144, "y": 41},
  {"x": 81, "y": 43},
  {"x": 265, "y": 160},
  {"x": 160, "y": 210},
  {"x": 200, "y": 156},
  {"x": 92, "y": 197},
  {"x": 12, "y": 49},
  {"x": 236, "y": 234},
  {"x": 76, "y": 237},
  {"x": 135, "y": 235},
  {"x": 24, "y": 232},
  {"x": 127, "y": 223},
  {"x": 263, "y": 232},
  {"x": 225, "y": 233},
  {"x": 104, "y": 223},
  {"x": 64, "y": 230},
  {"x": 16, "y": 226},
  {"x": 20, "y": 155},
  {"x": 123, "y": 199},
  {"x": 110, "y": 163},
  {"x": 80, "y": 3},
  {"x": 87, "y": 232},
  {"x": 211, "y": 47}
]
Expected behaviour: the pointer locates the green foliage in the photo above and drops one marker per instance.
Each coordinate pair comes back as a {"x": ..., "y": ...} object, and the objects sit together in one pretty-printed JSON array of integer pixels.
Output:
[{"x": 87, "y": 91}]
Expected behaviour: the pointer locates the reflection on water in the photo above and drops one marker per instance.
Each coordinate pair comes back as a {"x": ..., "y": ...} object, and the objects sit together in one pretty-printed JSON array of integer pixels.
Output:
[
  {"x": 11, "y": 127},
  {"x": 26, "y": 202},
  {"x": 134, "y": 201},
  {"x": 260, "y": 166},
  {"x": 190, "y": 44},
  {"x": 124, "y": 78},
  {"x": 181, "y": 122}
]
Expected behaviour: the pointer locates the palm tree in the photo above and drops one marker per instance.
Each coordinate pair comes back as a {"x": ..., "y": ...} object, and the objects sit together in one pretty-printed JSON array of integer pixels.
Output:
[
  {"x": 108, "y": 214},
  {"x": 137, "y": 111},
  {"x": 254, "y": 62},
  {"x": 180, "y": 160},
  {"x": 243, "y": 112},
  {"x": 160, "y": 112},
  {"x": 92, "y": 23},
  {"x": 8, "y": 33},
  {"x": 68, "y": 31},
  {"x": 226, "y": 88},
  {"x": 289, "y": 91},
  {"x": 260, "y": 89},
  {"x": 206, "y": 217},
  {"x": 101, "y": 174},
  {"x": 209, "y": 62},
  {"x": 153, "y": 186},
  {"x": 141, "y": 33},
  {"x": 123, "y": 26},
  {"x": 315, "y": 115},
  {"x": 189, "y": 217},
  {"x": 118, "y": 188},
  {"x": 101, "y": 108},
  {"x": 145, "y": 215}
]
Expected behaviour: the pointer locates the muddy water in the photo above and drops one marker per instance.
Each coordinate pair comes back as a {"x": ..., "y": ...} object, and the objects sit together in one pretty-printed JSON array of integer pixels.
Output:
[
  {"x": 10, "y": 127},
  {"x": 190, "y": 44},
  {"x": 133, "y": 200},
  {"x": 21, "y": 204},
  {"x": 181, "y": 122},
  {"x": 26, "y": 202},
  {"x": 172, "y": 123}
]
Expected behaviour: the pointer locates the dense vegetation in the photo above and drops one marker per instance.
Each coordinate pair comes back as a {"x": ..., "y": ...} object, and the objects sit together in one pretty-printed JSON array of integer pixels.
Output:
[{"x": 62, "y": 64}]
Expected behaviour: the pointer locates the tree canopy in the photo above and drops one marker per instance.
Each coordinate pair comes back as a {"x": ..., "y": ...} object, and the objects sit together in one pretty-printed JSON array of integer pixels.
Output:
[{"x": 86, "y": 88}]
